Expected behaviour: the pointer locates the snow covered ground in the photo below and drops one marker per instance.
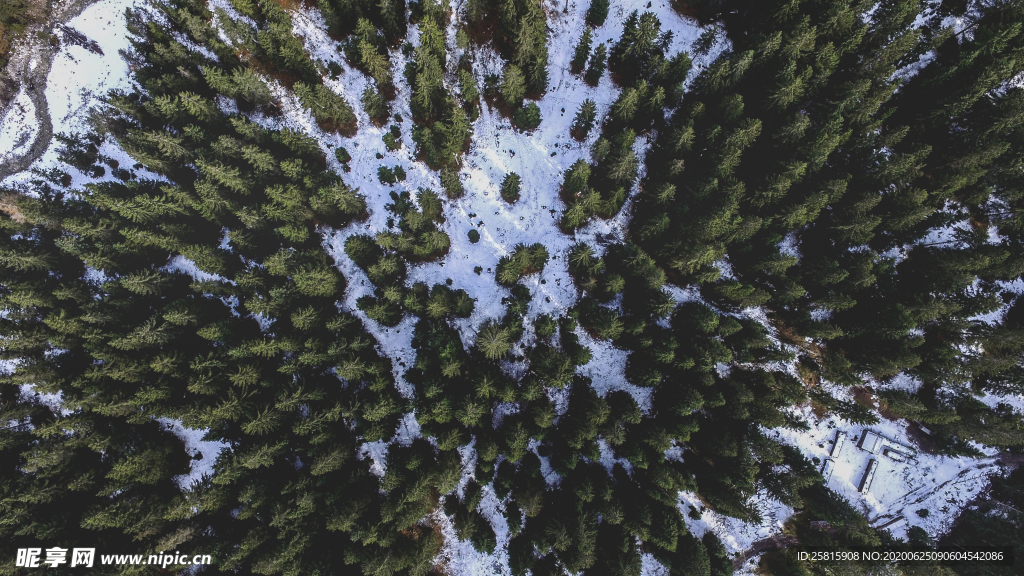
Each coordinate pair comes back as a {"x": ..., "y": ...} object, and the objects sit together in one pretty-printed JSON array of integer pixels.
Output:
[
  {"x": 203, "y": 452},
  {"x": 18, "y": 128},
  {"x": 940, "y": 485},
  {"x": 539, "y": 157},
  {"x": 736, "y": 535}
]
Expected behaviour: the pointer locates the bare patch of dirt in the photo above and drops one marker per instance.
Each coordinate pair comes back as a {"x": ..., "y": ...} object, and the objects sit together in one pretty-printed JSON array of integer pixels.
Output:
[
  {"x": 924, "y": 442},
  {"x": 819, "y": 409},
  {"x": 7, "y": 206},
  {"x": 685, "y": 9},
  {"x": 776, "y": 542},
  {"x": 864, "y": 396}
]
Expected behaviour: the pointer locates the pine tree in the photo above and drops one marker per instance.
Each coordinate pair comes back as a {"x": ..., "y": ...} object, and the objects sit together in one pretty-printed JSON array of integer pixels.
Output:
[
  {"x": 596, "y": 66},
  {"x": 493, "y": 341},
  {"x": 452, "y": 184},
  {"x": 469, "y": 93},
  {"x": 513, "y": 86},
  {"x": 528, "y": 117},
  {"x": 598, "y": 12},
  {"x": 581, "y": 52},
  {"x": 584, "y": 120},
  {"x": 510, "y": 187},
  {"x": 328, "y": 108},
  {"x": 375, "y": 105}
]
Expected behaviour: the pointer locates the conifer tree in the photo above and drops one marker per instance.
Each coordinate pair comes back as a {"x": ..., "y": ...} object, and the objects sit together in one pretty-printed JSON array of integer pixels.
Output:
[
  {"x": 328, "y": 108},
  {"x": 513, "y": 86},
  {"x": 596, "y": 66},
  {"x": 375, "y": 105},
  {"x": 528, "y": 117},
  {"x": 581, "y": 52},
  {"x": 584, "y": 119},
  {"x": 598, "y": 12},
  {"x": 510, "y": 187}
]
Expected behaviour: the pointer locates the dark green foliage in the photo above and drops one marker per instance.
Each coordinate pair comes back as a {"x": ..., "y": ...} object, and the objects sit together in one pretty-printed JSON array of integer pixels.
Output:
[
  {"x": 720, "y": 563},
  {"x": 584, "y": 119},
  {"x": 521, "y": 38},
  {"x": 596, "y": 65},
  {"x": 241, "y": 84},
  {"x": 641, "y": 54},
  {"x": 441, "y": 143},
  {"x": 846, "y": 409},
  {"x": 493, "y": 341},
  {"x": 393, "y": 138},
  {"x": 388, "y": 175},
  {"x": 603, "y": 195},
  {"x": 430, "y": 205},
  {"x": 801, "y": 173},
  {"x": 376, "y": 106},
  {"x": 429, "y": 94},
  {"x": 271, "y": 42},
  {"x": 442, "y": 126},
  {"x": 343, "y": 156},
  {"x": 418, "y": 237},
  {"x": 745, "y": 203},
  {"x": 523, "y": 260},
  {"x": 435, "y": 9},
  {"x": 366, "y": 49},
  {"x": 469, "y": 93},
  {"x": 474, "y": 235},
  {"x": 330, "y": 110},
  {"x": 513, "y": 86},
  {"x": 293, "y": 402},
  {"x": 365, "y": 17},
  {"x": 585, "y": 201},
  {"x": 545, "y": 326},
  {"x": 598, "y": 12},
  {"x": 510, "y": 187},
  {"x": 581, "y": 52},
  {"x": 384, "y": 258},
  {"x": 528, "y": 117},
  {"x": 452, "y": 184},
  {"x": 637, "y": 108}
]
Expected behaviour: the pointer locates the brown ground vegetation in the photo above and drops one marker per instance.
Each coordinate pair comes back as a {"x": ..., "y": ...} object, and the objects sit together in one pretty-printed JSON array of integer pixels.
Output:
[{"x": 15, "y": 17}]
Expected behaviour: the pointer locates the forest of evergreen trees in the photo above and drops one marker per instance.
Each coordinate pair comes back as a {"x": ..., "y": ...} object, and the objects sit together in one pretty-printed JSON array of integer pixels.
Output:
[{"x": 803, "y": 171}]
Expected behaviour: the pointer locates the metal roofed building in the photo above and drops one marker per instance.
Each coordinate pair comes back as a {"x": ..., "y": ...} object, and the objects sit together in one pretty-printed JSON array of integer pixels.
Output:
[
  {"x": 840, "y": 440},
  {"x": 870, "y": 441},
  {"x": 827, "y": 469},
  {"x": 869, "y": 475},
  {"x": 874, "y": 443},
  {"x": 894, "y": 454}
]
